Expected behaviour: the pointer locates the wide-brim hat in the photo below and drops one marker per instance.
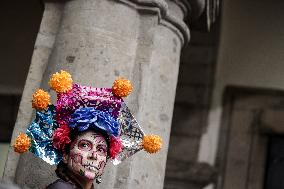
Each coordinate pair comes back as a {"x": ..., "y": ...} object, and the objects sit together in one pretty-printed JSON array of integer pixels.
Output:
[{"x": 81, "y": 108}]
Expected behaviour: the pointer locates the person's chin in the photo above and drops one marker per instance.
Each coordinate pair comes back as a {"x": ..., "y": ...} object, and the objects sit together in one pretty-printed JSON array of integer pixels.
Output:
[{"x": 90, "y": 175}]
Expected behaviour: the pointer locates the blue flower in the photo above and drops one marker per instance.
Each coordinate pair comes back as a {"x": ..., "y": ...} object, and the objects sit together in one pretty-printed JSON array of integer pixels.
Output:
[{"x": 88, "y": 117}]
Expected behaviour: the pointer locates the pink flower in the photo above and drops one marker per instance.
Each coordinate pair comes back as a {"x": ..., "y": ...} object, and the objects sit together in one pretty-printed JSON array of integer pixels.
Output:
[
  {"x": 115, "y": 146},
  {"x": 61, "y": 137}
]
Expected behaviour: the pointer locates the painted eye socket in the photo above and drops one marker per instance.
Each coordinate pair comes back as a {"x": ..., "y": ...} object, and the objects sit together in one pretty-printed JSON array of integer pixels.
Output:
[
  {"x": 101, "y": 149},
  {"x": 85, "y": 145}
]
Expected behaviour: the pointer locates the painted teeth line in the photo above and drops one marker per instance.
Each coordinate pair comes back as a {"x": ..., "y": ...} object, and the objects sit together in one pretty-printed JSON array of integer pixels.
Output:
[{"x": 90, "y": 167}]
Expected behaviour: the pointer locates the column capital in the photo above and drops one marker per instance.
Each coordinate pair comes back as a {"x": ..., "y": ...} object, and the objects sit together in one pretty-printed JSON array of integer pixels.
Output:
[
  {"x": 197, "y": 14},
  {"x": 203, "y": 14},
  {"x": 167, "y": 16}
]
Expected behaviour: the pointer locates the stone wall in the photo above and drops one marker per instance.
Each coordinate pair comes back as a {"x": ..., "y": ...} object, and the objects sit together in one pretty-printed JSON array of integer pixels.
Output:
[
  {"x": 249, "y": 55},
  {"x": 196, "y": 76}
]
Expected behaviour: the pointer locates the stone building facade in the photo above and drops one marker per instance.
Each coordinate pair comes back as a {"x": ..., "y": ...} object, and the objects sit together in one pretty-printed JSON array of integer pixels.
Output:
[
  {"x": 227, "y": 111},
  {"x": 243, "y": 138}
]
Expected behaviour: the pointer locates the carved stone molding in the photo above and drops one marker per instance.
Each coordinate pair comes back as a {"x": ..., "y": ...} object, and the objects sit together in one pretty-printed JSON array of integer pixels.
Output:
[
  {"x": 161, "y": 8},
  {"x": 165, "y": 18},
  {"x": 200, "y": 14},
  {"x": 204, "y": 14}
]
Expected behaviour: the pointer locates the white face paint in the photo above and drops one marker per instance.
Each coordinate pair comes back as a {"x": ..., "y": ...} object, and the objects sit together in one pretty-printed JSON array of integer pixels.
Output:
[{"x": 88, "y": 155}]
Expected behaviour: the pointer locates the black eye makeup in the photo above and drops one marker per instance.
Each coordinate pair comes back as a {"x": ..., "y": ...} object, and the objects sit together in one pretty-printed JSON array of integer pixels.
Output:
[
  {"x": 102, "y": 149},
  {"x": 85, "y": 145}
]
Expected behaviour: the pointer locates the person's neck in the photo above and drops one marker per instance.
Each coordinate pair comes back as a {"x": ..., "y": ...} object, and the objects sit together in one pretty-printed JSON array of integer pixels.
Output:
[{"x": 84, "y": 182}]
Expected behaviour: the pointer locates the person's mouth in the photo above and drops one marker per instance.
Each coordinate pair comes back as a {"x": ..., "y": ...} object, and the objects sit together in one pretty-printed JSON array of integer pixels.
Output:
[{"x": 91, "y": 167}]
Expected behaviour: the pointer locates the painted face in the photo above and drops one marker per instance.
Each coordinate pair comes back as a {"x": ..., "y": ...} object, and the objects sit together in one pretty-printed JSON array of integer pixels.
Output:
[{"x": 88, "y": 155}]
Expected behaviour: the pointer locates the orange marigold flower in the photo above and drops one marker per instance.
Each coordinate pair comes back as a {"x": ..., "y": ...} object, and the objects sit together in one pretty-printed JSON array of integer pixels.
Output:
[
  {"x": 122, "y": 87},
  {"x": 152, "y": 143},
  {"x": 61, "y": 82},
  {"x": 41, "y": 100},
  {"x": 22, "y": 143}
]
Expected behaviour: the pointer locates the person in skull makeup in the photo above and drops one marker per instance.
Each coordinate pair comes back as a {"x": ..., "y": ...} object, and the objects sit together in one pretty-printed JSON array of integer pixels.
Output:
[
  {"x": 83, "y": 162},
  {"x": 87, "y": 127},
  {"x": 87, "y": 142},
  {"x": 88, "y": 155}
]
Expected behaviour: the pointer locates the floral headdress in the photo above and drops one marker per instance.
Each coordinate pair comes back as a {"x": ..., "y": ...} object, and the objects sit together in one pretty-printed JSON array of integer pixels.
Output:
[{"x": 80, "y": 108}]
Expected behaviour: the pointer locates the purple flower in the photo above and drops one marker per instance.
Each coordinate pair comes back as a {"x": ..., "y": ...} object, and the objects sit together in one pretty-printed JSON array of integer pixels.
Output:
[{"x": 88, "y": 117}]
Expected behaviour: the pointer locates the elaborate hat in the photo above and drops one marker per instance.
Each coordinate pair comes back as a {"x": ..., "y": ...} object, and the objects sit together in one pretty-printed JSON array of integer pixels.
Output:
[{"x": 80, "y": 108}]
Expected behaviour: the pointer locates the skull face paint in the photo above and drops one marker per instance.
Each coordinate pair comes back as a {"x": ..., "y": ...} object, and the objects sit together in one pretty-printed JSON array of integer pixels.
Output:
[{"x": 88, "y": 155}]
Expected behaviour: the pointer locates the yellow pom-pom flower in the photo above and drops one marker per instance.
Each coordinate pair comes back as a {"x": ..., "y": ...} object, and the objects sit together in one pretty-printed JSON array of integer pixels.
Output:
[
  {"x": 41, "y": 100},
  {"x": 22, "y": 143},
  {"x": 61, "y": 82},
  {"x": 122, "y": 87},
  {"x": 152, "y": 143}
]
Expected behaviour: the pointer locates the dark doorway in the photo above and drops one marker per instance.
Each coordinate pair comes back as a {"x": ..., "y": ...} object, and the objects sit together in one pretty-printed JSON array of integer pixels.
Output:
[
  {"x": 275, "y": 163},
  {"x": 244, "y": 139}
]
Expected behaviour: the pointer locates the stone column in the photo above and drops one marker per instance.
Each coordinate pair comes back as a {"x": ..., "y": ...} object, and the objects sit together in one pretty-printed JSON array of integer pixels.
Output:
[{"x": 97, "y": 41}]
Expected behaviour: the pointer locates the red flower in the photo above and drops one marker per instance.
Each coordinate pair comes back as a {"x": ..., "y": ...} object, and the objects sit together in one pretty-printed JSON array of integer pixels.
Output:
[
  {"x": 61, "y": 137},
  {"x": 115, "y": 146}
]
